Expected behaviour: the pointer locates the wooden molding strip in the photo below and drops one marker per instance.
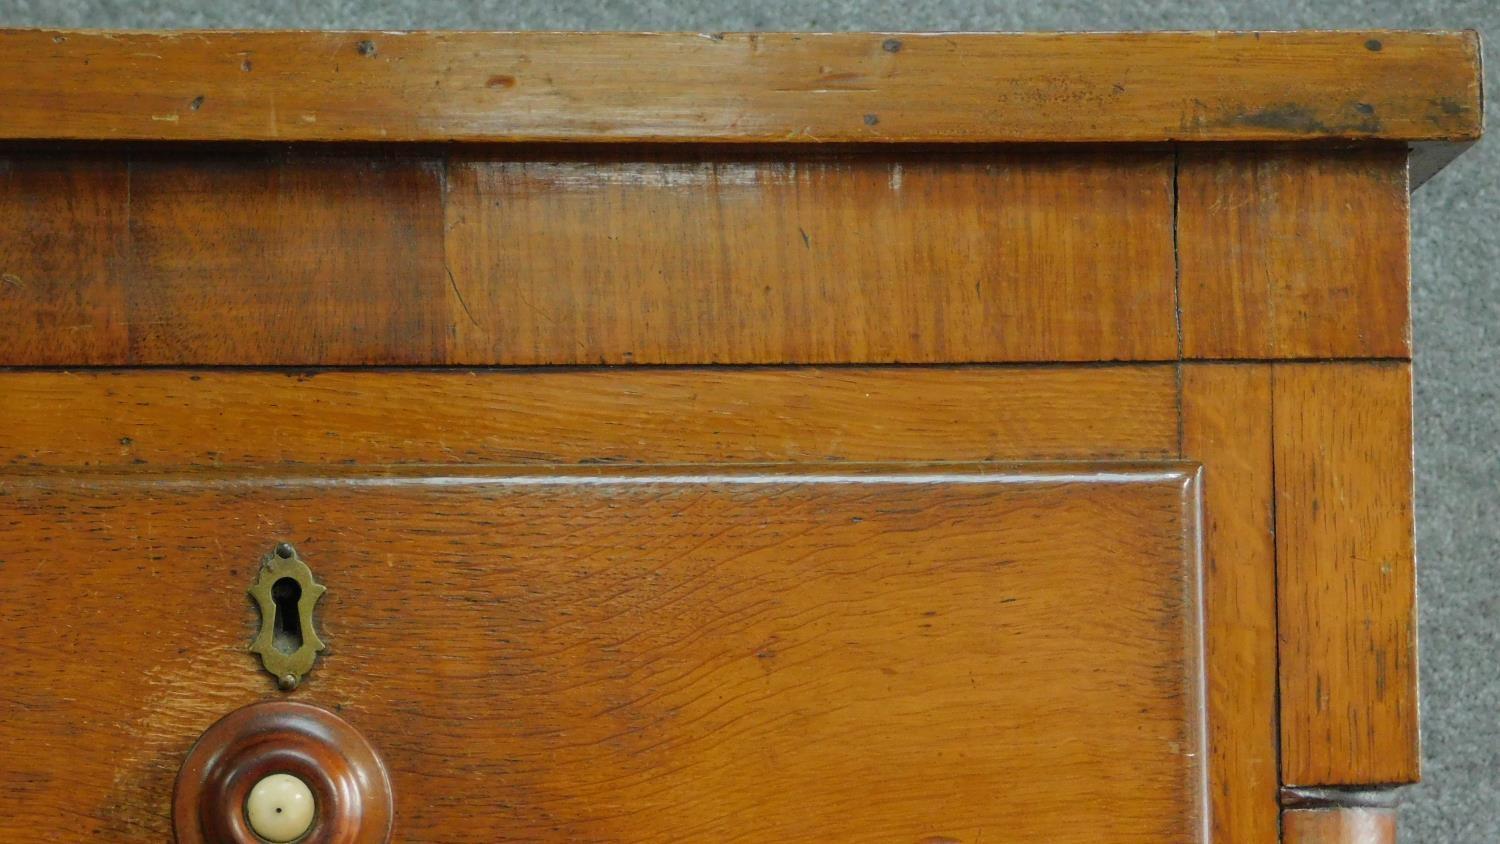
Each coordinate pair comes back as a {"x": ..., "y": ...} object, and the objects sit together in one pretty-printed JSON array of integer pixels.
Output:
[
  {"x": 746, "y": 87},
  {"x": 163, "y": 418},
  {"x": 1226, "y": 426}
]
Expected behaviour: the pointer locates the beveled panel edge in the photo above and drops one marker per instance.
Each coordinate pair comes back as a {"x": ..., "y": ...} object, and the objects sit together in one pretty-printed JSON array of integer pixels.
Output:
[{"x": 1185, "y": 473}]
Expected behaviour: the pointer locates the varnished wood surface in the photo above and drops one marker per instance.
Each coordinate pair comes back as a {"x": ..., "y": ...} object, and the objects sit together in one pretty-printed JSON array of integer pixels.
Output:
[
  {"x": 252, "y": 257},
  {"x": 347, "y": 779},
  {"x": 1294, "y": 254},
  {"x": 941, "y": 654},
  {"x": 1340, "y": 826},
  {"x": 604, "y": 647},
  {"x": 1347, "y": 583},
  {"x": 1226, "y": 426},
  {"x": 63, "y": 242},
  {"x": 164, "y": 419},
  {"x": 284, "y": 260},
  {"x": 976, "y": 257},
  {"x": 764, "y": 87}
]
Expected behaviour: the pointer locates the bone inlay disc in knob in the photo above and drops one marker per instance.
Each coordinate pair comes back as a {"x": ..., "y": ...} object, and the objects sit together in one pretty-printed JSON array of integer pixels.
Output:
[{"x": 280, "y": 808}]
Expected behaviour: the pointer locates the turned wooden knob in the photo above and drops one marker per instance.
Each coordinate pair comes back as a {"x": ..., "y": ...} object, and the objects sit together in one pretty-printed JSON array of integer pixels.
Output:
[{"x": 282, "y": 772}]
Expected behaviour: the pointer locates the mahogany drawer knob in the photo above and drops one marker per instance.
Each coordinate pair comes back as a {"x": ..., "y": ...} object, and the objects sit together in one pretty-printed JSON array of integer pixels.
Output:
[{"x": 280, "y": 772}]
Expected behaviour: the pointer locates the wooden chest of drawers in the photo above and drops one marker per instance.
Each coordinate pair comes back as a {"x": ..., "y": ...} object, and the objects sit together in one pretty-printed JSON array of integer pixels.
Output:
[{"x": 865, "y": 437}]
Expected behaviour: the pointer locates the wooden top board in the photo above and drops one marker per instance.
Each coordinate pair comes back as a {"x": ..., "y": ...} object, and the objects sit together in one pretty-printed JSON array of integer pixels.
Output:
[{"x": 741, "y": 87}]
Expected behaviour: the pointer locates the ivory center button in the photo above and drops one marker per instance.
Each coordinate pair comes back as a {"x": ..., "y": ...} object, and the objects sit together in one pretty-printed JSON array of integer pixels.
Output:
[{"x": 280, "y": 808}]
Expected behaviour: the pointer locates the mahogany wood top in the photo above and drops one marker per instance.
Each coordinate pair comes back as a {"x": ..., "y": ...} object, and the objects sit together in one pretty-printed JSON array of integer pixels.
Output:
[{"x": 761, "y": 87}]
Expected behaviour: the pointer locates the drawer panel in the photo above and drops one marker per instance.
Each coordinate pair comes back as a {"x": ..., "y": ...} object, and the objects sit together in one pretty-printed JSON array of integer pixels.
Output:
[{"x": 918, "y": 653}]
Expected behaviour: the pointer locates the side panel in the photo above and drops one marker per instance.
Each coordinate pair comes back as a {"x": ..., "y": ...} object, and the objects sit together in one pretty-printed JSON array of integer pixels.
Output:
[{"x": 1347, "y": 600}]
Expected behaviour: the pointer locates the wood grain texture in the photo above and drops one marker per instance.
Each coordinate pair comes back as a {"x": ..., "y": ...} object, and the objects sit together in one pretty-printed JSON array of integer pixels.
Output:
[
  {"x": 1346, "y": 574},
  {"x": 62, "y": 247},
  {"x": 285, "y": 260},
  {"x": 973, "y": 257},
  {"x": 1226, "y": 426},
  {"x": 165, "y": 418},
  {"x": 341, "y": 258},
  {"x": 765, "y": 87},
  {"x": 926, "y": 654},
  {"x": 1294, "y": 254},
  {"x": 1340, "y": 826}
]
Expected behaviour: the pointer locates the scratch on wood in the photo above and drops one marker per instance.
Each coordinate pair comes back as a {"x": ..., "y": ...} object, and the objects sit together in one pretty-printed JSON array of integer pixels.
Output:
[{"x": 453, "y": 283}]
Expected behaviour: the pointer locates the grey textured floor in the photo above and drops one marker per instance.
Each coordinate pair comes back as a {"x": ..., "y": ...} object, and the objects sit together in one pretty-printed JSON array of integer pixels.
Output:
[{"x": 1456, "y": 267}]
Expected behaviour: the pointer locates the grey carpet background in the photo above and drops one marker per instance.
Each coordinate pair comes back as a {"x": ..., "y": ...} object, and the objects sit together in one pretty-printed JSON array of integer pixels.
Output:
[{"x": 1456, "y": 279}]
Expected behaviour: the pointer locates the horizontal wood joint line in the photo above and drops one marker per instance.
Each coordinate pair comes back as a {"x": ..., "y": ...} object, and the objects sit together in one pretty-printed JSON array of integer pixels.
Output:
[
  {"x": 1309, "y": 360},
  {"x": 716, "y": 366},
  {"x": 624, "y": 370}
]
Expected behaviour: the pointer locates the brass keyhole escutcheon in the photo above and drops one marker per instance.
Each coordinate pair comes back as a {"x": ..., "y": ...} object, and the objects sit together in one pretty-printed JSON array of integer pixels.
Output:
[{"x": 286, "y": 592}]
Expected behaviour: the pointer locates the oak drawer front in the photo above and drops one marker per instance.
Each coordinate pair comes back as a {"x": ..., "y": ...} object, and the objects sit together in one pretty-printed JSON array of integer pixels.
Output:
[{"x": 766, "y": 653}]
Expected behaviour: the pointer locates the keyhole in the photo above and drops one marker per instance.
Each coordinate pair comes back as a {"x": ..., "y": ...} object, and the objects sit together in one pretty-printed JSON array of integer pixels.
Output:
[{"x": 286, "y": 593}]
